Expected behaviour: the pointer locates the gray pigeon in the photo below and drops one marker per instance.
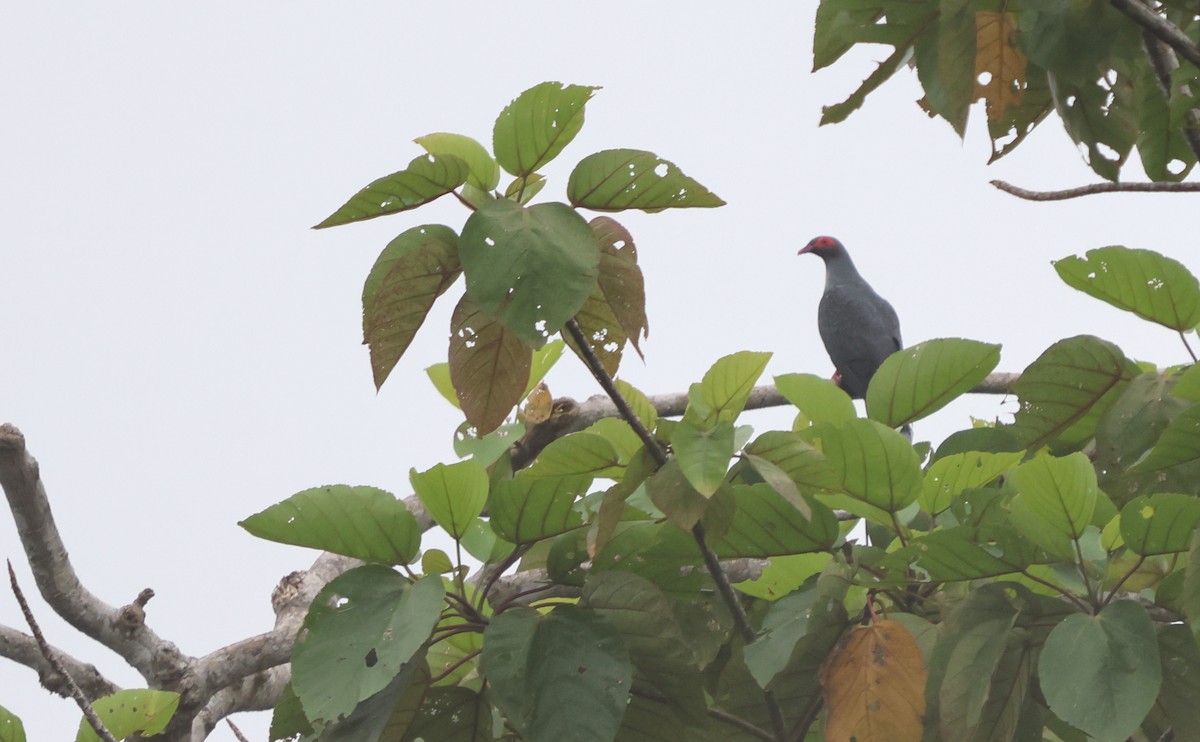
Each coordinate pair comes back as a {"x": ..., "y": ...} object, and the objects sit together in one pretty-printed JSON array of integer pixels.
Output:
[{"x": 859, "y": 328}]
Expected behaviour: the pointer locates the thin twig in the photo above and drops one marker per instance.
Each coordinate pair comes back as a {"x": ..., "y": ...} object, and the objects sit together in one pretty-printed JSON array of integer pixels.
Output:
[
  {"x": 236, "y": 732},
  {"x": 1095, "y": 188},
  {"x": 80, "y": 699},
  {"x": 736, "y": 721},
  {"x": 809, "y": 717},
  {"x": 1191, "y": 352},
  {"x": 1163, "y": 29},
  {"x": 1080, "y": 603},
  {"x": 1132, "y": 570},
  {"x": 446, "y": 673}
]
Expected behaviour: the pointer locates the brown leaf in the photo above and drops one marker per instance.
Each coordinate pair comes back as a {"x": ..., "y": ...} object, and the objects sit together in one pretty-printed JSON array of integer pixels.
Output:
[
  {"x": 997, "y": 55},
  {"x": 875, "y": 686},
  {"x": 538, "y": 405},
  {"x": 616, "y": 310},
  {"x": 489, "y": 366}
]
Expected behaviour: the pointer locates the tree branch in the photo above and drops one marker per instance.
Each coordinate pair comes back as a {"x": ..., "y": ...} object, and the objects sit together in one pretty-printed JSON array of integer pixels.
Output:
[
  {"x": 1094, "y": 188},
  {"x": 1163, "y": 29},
  {"x": 22, "y": 648},
  {"x": 158, "y": 660}
]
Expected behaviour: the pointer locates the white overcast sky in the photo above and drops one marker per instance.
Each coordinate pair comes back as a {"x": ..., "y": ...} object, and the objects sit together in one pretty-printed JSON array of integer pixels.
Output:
[{"x": 181, "y": 350}]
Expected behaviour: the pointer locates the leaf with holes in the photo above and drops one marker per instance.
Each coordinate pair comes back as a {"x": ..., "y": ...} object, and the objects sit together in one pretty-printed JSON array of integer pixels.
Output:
[
  {"x": 875, "y": 685},
  {"x": 360, "y": 630},
  {"x": 918, "y": 381},
  {"x": 615, "y": 312},
  {"x": 1144, "y": 282},
  {"x": 485, "y": 173},
  {"x": 410, "y": 274},
  {"x": 530, "y": 269},
  {"x": 1160, "y": 523},
  {"x": 1064, "y": 383},
  {"x": 126, "y": 713},
  {"x": 1101, "y": 673},
  {"x": 533, "y": 129},
  {"x": 426, "y": 178},
  {"x": 361, "y": 522},
  {"x": 620, "y": 179},
  {"x": 453, "y": 494},
  {"x": 527, "y": 509},
  {"x": 488, "y": 366},
  {"x": 945, "y": 62}
]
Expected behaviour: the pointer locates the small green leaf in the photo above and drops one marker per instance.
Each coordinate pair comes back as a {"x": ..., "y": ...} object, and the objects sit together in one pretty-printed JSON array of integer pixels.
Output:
[
  {"x": 436, "y": 562},
  {"x": 785, "y": 624},
  {"x": 950, "y": 476},
  {"x": 766, "y": 525},
  {"x": 704, "y": 454},
  {"x": 674, "y": 495},
  {"x": 485, "y": 173},
  {"x": 361, "y": 522},
  {"x": 454, "y": 494},
  {"x": 361, "y": 628},
  {"x": 523, "y": 189},
  {"x": 916, "y": 382},
  {"x": 1101, "y": 673},
  {"x": 620, "y": 179},
  {"x": 1144, "y": 282},
  {"x": 530, "y": 269},
  {"x": 528, "y": 509},
  {"x": 128, "y": 712},
  {"x": 426, "y": 178},
  {"x": 1064, "y": 383},
  {"x": 1188, "y": 385},
  {"x": 580, "y": 453},
  {"x": 804, "y": 464},
  {"x": 489, "y": 366},
  {"x": 487, "y": 450},
  {"x": 439, "y": 376},
  {"x": 533, "y": 129},
  {"x": 1055, "y": 501},
  {"x": 1160, "y": 523},
  {"x": 481, "y": 542},
  {"x": 641, "y": 405},
  {"x": 726, "y": 386},
  {"x": 819, "y": 400},
  {"x": 874, "y": 463},
  {"x": 11, "y": 728}
]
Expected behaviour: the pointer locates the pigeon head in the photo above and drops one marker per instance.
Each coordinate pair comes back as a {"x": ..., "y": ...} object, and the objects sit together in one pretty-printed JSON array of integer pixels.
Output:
[{"x": 823, "y": 246}]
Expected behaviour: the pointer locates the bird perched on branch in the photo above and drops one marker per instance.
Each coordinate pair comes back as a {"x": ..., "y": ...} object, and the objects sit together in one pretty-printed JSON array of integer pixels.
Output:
[{"x": 859, "y": 328}]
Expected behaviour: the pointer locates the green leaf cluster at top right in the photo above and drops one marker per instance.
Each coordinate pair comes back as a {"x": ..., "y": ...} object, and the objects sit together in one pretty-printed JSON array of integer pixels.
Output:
[{"x": 1114, "y": 85}]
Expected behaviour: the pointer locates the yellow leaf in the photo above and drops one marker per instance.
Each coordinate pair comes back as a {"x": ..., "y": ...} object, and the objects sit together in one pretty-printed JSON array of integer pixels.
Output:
[
  {"x": 998, "y": 58},
  {"x": 875, "y": 686},
  {"x": 538, "y": 405}
]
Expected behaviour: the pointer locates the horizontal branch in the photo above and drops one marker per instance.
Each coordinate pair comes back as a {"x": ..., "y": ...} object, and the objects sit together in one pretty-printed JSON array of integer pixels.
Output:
[
  {"x": 1094, "y": 188},
  {"x": 21, "y": 648}
]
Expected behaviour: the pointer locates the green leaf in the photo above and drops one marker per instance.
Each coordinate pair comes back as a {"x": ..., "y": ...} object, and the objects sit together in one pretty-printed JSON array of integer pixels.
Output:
[
  {"x": 533, "y": 129},
  {"x": 361, "y": 628},
  {"x": 1181, "y": 679},
  {"x": 523, "y": 189},
  {"x": 966, "y": 553},
  {"x": 1144, "y": 282},
  {"x": 489, "y": 366},
  {"x": 426, "y": 178},
  {"x": 1055, "y": 501},
  {"x": 1101, "y": 674},
  {"x": 918, "y": 381},
  {"x": 950, "y": 476},
  {"x": 804, "y": 464},
  {"x": 580, "y": 453},
  {"x": 1188, "y": 385},
  {"x": 674, "y": 495},
  {"x": 766, "y": 525},
  {"x": 946, "y": 62},
  {"x": 841, "y": 24},
  {"x": 643, "y": 616},
  {"x": 481, "y": 542},
  {"x": 11, "y": 728},
  {"x": 641, "y": 405},
  {"x": 873, "y": 463},
  {"x": 987, "y": 682},
  {"x": 1162, "y": 144},
  {"x": 562, "y": 676},
  {"x": 783, "y": 575},
  {"x": 453, "y": 494},
  {"x": 528, "y": 509},
  {"x": 488, "y": 449},
  {"x": 725, "y": 388},
  {"x": 1179, "y": 444},
  {"x": 1064, "y": 383},
  {"x": 439, "y": 376},
  {"x": 361, "y": 522},
  {"x": 530, "y": 269},
  {"x": 1096, "y": 118},
  {"x": 703, "y": 455},
  {"x": 485, "y": 173},
  {"x": 1009, "y": 127},
  {"x": 1159, "y": 523},
  {"x": 410, "y": 274},
  {"x": 1133, "y": 424},
  {"x": 620, "y": 179},
  {"x": 452, "y": 714},
  {"x": 785, "y": 624},
  {"x": 386, "y": 714},
  {"x": 128, "y": 712},
  {"x": 819, "y": 400}
]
